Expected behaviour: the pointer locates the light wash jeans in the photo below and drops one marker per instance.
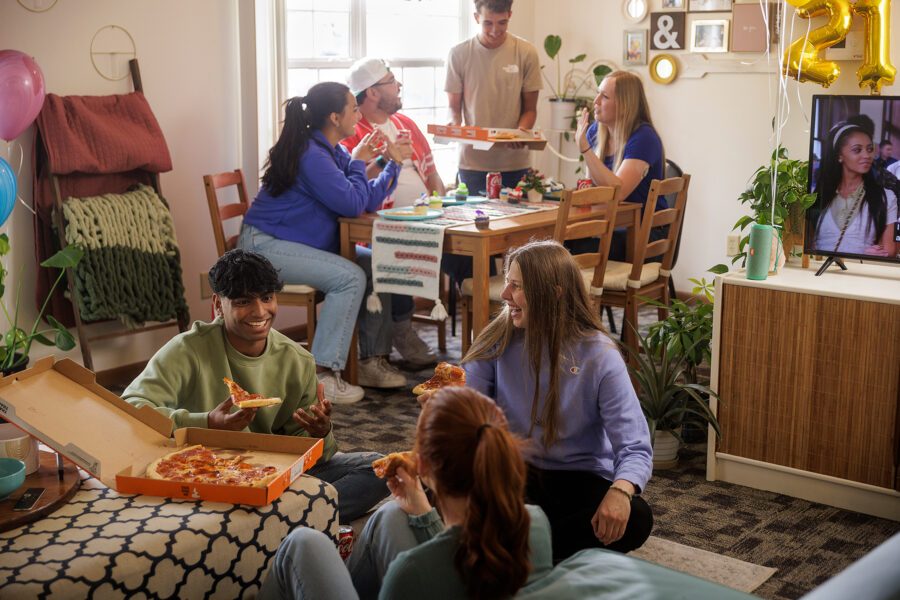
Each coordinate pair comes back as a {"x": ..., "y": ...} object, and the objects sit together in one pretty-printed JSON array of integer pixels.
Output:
[
  {"x": 308, "y": 566},
  {"x": 358, "y": 488},
  {"x": 345, "y": 286}
]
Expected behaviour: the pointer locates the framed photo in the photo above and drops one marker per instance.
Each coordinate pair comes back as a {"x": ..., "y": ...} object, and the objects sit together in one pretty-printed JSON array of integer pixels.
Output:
[
  {"x": 672, "y": 4},
  {"x": 709, "y": 5},
  {"x": 748, "y": 28},
  {"x": 667, "y": 31},
  {"x": 635, "y": 47},
  {"x": 709, "y": 35}
]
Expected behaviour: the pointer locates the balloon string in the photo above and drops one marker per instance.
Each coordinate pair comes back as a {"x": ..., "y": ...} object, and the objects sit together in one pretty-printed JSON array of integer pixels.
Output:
[{"x": 9, "y": 149}]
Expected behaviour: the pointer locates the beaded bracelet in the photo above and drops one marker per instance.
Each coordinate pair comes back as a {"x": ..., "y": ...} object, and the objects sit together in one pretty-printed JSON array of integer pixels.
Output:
[{"x": 622, "y": 491}]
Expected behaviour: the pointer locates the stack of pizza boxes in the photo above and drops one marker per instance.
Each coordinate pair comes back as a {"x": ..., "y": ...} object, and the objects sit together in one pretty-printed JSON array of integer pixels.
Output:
[
  {"x": 486, "y": 138},
  {"x": 61, "y": 404}
]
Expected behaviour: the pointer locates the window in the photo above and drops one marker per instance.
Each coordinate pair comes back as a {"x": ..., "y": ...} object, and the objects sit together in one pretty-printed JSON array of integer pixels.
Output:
[{"x": 323, "y": 38}]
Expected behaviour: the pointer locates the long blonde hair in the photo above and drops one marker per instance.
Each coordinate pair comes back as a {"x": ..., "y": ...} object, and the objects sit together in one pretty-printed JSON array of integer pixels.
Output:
[
  {"x": 632, "y": 109},
  {"x": 558, "y": 311}
]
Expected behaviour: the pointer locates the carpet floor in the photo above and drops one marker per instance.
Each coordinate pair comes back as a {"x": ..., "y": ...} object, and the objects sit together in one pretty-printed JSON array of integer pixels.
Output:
[{"x": 807, "y": 543}]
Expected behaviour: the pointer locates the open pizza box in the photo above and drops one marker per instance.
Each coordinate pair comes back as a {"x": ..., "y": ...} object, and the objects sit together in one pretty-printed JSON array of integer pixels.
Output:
[
  {"x": 485, "y": 138},
  {"x": 61, "y": 404}
]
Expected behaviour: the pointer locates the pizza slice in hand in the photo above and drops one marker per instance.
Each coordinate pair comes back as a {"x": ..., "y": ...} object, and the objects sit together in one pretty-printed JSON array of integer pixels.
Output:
[
  {"x": 243, "y": 399},
  {"x": 445, "y": 375},
  {"x": 387, "y": 467}
]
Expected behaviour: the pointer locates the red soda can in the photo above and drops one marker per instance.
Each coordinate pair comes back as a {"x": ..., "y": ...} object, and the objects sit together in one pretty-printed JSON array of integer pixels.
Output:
[
  {"x": 493, "y": 183},
  {"x": 346, "y": 537},
  {"x": 584, "y": 183}
]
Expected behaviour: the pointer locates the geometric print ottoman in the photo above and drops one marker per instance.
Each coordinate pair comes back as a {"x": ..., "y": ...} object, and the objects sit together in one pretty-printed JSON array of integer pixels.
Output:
[{"x": 103, "y": 544}]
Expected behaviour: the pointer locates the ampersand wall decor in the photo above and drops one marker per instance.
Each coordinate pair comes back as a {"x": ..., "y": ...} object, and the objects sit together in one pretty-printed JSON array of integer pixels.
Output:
[{"x": 667, "y": 31}]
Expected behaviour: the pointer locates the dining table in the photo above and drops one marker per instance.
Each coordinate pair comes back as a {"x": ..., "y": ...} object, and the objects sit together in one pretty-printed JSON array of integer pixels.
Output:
[{"x": 504, "y": 232}]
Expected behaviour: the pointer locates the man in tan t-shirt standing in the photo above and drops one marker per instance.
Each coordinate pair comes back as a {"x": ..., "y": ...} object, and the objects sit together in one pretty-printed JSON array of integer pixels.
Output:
[{"x": 493, "y": 80}]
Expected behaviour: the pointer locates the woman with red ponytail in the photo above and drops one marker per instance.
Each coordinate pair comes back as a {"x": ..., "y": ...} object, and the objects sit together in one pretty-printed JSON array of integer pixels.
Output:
[{"x": 481, "y": 541}]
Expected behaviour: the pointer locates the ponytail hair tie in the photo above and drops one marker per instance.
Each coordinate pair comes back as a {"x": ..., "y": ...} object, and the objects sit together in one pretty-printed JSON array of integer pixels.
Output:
[{"x": 479, "y": 430}]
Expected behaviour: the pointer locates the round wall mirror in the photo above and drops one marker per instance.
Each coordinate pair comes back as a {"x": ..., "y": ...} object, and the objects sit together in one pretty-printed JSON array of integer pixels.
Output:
[
  {"x": 663, "y": 68},
  {"x": 635, "y": 10}
]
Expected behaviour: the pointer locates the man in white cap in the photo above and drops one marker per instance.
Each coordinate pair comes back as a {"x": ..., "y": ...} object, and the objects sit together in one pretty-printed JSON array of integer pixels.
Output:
[{"x": 377, "y": 93}]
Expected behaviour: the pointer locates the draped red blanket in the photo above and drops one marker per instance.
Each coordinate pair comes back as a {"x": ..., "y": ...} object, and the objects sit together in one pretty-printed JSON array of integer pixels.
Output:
[{"x": 95, "y": 145}]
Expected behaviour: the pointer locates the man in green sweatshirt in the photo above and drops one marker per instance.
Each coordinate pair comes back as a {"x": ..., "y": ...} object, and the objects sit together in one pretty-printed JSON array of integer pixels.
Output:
[{"x": 184, "y": 379}]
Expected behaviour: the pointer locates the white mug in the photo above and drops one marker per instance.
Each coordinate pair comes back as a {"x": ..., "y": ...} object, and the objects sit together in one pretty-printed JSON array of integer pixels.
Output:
[{"x": 15, "y": 443}]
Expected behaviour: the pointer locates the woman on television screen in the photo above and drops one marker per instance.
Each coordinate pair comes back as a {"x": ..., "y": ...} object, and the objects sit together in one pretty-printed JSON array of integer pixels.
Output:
[{"x": 853, "y": 213}]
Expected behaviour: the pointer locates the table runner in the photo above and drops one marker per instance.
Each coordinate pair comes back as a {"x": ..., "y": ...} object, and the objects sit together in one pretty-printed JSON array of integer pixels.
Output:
[{"x": 406, "y": 255}]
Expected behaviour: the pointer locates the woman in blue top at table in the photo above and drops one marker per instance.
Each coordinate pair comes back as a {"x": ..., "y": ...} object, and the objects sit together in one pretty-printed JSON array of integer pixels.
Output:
[
  {"x": 620, "y": 146},
  {"x": 563, "y": 385},
  {"x": 309, "y": 182}
]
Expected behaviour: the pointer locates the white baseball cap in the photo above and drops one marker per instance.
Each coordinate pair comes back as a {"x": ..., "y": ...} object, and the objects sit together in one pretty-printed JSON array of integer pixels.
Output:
[{"x": 364, "y": 73}]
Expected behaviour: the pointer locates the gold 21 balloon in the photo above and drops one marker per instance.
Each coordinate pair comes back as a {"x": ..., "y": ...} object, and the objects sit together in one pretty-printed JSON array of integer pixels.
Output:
[
  {"x": 802, "y": 61},
  {"x": 876, "y": 69}
]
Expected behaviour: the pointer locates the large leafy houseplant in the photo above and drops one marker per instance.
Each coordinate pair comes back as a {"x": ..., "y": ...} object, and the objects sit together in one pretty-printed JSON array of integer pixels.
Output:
[
  {"x": 571, "y": 84},
  {"x": 16, "y": 344},
  {"x": 668, "y": 399},
  {"x": 781, "y": 183}
]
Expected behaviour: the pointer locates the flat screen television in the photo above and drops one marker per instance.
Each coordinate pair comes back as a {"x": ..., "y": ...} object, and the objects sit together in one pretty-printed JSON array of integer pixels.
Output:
[{"x": 854, "y": 157}]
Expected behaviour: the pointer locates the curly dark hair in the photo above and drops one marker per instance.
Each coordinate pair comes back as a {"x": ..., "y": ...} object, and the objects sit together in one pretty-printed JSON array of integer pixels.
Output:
[
  {"x": 240, "y": 273},
  {"x": 494, "y": 6}
]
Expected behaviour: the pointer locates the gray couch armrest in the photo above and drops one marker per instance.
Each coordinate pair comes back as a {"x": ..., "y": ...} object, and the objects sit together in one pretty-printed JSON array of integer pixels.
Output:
[{"x": 876, "y": 576}]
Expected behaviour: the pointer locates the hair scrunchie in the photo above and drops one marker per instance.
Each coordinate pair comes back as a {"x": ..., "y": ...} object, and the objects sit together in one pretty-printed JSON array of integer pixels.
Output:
[{"x": 480, "y": 429}]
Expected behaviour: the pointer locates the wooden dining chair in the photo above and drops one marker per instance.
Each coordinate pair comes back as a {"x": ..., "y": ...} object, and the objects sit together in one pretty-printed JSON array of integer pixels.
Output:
[
  {"x": 568, "y": 227},
  {"x": 292, "y": 294},
  {"x": 628, "y": 285}
]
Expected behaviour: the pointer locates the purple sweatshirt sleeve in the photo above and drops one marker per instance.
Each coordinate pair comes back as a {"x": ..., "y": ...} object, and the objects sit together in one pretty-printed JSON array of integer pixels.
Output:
[{"x": 341, "y": 183}]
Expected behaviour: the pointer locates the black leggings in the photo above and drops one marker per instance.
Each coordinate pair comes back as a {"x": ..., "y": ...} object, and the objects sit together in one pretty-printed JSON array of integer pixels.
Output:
[{"x": 570, "y": 499}]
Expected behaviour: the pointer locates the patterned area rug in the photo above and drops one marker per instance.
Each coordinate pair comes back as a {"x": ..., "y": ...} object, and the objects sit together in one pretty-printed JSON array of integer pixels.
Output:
[{"x": 807, "y": 543}]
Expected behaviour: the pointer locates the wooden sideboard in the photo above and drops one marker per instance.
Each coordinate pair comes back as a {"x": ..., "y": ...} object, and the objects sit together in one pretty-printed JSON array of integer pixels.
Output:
[{"x": 808, "y": 369}]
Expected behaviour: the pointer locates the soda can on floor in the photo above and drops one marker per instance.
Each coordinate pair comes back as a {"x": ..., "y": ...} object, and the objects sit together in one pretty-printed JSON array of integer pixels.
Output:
[
  {"x": 492, "y": 185},
  {"x": 346, "y": 537},
  {"x": 584, "y": 183}
]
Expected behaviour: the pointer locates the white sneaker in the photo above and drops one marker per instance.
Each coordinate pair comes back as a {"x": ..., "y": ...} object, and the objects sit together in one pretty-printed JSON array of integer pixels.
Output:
[
  {"x": 411, "y": 347},
  {"x": 377, "y": 372},
  {"x": 339, "y": 391}
]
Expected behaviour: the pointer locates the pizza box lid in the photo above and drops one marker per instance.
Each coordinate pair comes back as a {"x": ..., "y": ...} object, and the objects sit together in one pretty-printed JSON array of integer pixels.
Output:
[
  {"x": 485, "y": 138},
  {"x": 61, "y": 404}
]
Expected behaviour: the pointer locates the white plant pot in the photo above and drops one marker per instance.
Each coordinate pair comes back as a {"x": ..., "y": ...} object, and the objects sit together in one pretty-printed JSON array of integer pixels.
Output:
[
  {"x": 535, "y": 196},
  {"x": 561, "y": 113},
  {"x": 665, "y": 450}
]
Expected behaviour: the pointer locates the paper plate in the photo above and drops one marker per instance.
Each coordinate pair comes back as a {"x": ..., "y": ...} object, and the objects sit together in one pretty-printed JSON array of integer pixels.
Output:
[
  {"x": 452, "y": 201},
  {"x": 406, "y": 214}
]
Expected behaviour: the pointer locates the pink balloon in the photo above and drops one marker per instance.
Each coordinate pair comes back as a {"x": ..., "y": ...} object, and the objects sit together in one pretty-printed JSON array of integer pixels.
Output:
[{"x": 21, "y": 93}]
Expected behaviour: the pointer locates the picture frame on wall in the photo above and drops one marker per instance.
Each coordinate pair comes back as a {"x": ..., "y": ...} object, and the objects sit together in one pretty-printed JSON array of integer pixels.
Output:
[
  {"x": 635, "y": 50},
  {"x": 709, "y": 5},
  {"x": 667, "y": 31},
  {"x": 709, "y": 35},
  {"x": 671, "y": 4},
  {"x": 748, "y": 28}
]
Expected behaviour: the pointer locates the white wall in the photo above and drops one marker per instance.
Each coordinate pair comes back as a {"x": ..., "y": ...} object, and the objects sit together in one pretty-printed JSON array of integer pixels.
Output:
[{"x": 717, "y": 128}]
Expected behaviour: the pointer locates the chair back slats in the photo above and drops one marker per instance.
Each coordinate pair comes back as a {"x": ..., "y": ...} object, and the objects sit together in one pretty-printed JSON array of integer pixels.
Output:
[
  {"x": 583, "y": 229},
  {"x": 672, "y": 217},
  {"x": 218, "y": 213},
  {"x": 582, "y": 198}
]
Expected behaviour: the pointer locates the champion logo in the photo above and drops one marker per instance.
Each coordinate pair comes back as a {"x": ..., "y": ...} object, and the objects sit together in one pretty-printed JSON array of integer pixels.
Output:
[{"x": 574, "y": 370}]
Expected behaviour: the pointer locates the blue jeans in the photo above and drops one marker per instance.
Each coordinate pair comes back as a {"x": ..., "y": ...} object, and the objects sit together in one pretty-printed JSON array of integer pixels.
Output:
[
  {"x": 307, "y": 565},
  {"x": 358, "y": 488},
  {"x": 345, "y": 286},
  {"x": 476, "y": 180}
]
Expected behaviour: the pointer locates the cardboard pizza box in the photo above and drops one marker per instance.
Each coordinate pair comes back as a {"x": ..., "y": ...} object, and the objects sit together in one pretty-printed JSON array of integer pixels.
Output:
[
  {"x": 61, "y": 404},
  {"x": 486, "y": 138}
]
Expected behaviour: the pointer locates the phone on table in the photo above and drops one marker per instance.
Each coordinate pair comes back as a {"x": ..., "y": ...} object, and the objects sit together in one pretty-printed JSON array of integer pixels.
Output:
[{"x": 28, "y": 499}]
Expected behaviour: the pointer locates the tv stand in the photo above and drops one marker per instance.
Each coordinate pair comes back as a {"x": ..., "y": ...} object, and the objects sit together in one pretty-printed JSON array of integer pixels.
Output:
[
  {"x": 808, "y": 369},
  {"x": 831, "y": 259}
]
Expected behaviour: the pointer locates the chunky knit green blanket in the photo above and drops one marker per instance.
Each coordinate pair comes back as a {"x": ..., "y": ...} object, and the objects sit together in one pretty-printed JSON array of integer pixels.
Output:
[{"x": 131, "y": 268}]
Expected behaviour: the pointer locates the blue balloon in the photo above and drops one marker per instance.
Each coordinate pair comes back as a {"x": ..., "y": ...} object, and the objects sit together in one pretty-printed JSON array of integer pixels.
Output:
[{"x": 7, "y": 190}]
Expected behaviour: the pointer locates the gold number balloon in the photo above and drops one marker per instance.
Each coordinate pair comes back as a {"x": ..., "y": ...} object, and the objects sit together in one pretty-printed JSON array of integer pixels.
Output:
[
  {"x": 801, "y": 59},
  {"x": 876, "y": 69}
]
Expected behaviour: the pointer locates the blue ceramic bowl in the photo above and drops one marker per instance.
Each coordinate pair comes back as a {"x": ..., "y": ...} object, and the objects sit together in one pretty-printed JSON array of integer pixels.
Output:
[{"x": 12, "y": 476}]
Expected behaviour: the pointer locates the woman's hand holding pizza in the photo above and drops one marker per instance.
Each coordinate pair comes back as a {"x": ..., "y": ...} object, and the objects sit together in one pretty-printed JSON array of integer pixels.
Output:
[
  {"x": 408, "y": 493},
  {"x": 424, "y": 397},
  {"x": 221, "y": 416},
  {"x": 316, "y": 422}
]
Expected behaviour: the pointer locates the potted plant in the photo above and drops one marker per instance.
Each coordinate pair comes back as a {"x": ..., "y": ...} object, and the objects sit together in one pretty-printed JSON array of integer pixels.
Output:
[
  {"x": 534, "y": 184},
  {"x": 17, "y": 342},
  {"x": 780, "y": 183},
  {"x": 668, "y": 399},
  {"x": 566, "y": 101}
]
